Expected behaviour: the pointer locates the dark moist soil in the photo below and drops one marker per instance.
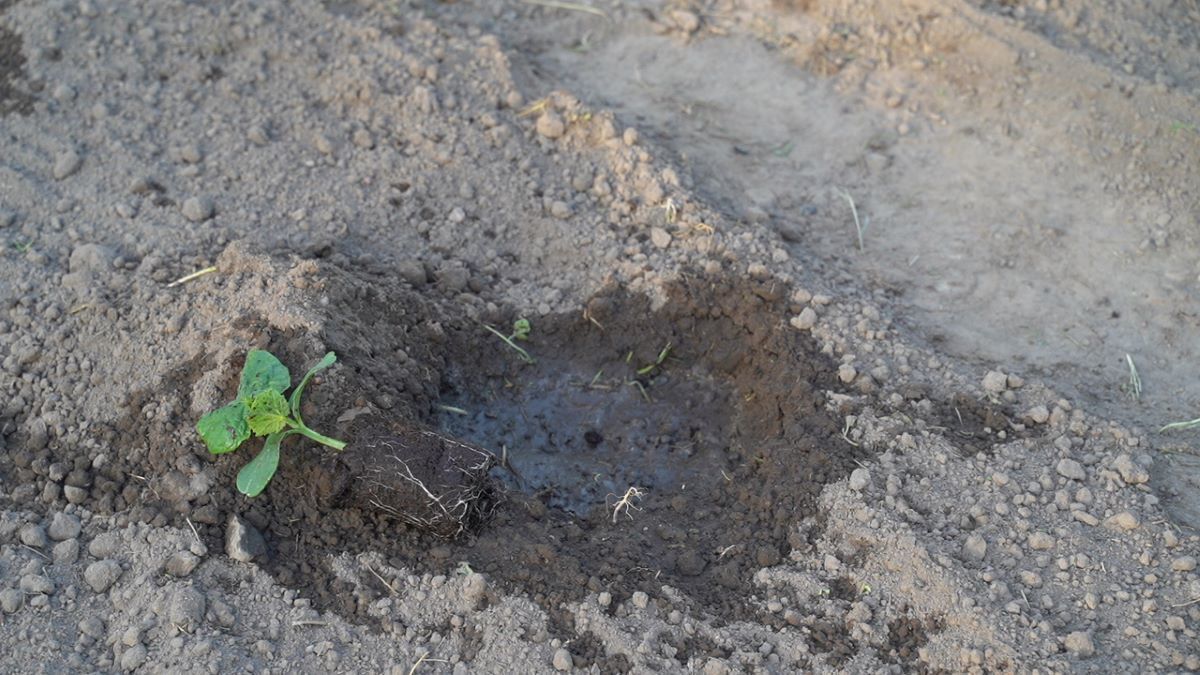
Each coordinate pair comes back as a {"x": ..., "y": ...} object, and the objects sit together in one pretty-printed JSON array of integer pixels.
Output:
[{"x": 728, "y": 437}]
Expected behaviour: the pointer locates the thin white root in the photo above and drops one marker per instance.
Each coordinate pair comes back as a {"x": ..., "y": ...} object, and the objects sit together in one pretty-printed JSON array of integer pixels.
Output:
[{"x": 625, "y": 503}]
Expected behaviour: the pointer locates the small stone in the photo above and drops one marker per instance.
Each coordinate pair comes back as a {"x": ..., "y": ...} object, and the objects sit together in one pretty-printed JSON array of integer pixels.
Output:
[
  {"x": 687, "y": 21},
  {"x": 640, "y": 599},
  {"x": 474, "y": 590},
  {"x": 187, "y": 608},
  {"x": 1185, "y": 563},
  {"x": 363, "y": 139},
  {"x": 847, "y": 373},
  {"x": 64, "y": 526},
  {"x": 243, "y": 543},
  {"x": 560, "y": 210},
  {"x": 92, "y": 627},
  {"x": 604, "y": 599},
  {"x": 805, "y": 320},
  {"x": 1040, "y": 541},
  {"x": 1130, "y": 472},
  {"x": 1122, "y": 522},
  {"x": 66, "y": 552},
  {"x": 198, "y": 209},
  {"x": 562, "y": 660},
  {"x": 258, "y": 135},
  {"x": 1069, "y": 468},
  {"x": 75, "y": 495},
  {"x": 860, "y": 478},
  {"x": 34, "y": 536},
  {"x": 67, "y": 164},
  {"x": 690, "y": 563},
  {"x": 660, "y": 237},
  {"x": 323, "y": 145},
  {"x": 995, "y": 382},
  {"x": 974, "y": 548},
  {"x": 102, "y": 574},
  {"x": 551, "y": 125},
  {"x": 181, "y": 564},
  {"x": 412, "y": 271},
  {"x": 716, "y": 667},
  {"x": 1079, "y": 644},
  {"x": 36, "y": 583},
  {"x": 1038, "y": 414},
  {"x": 104, "y": 545},
  {"x": 11, "y": 600},
  {"x": 133, "y": 658}
]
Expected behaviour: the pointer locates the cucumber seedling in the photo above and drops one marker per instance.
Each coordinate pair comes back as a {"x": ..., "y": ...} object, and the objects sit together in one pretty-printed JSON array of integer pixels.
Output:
[
  {"x": 521, "y": 329},
  {"x": 262, "y": 410}
]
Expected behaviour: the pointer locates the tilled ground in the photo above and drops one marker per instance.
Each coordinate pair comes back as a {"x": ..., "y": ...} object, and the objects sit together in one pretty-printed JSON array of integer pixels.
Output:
[{"x": 814, "y": 480}]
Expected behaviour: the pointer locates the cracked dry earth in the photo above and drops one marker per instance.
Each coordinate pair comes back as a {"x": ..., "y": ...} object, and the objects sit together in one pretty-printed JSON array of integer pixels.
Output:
[{"x": 910, "y": 447}]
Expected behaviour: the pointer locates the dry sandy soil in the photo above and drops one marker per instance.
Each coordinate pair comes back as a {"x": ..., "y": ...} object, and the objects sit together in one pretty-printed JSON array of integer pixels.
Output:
[{"x": 851, "y": 291}]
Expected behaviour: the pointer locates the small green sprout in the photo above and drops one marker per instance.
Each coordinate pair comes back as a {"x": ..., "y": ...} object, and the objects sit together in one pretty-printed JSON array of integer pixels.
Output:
[
  {"x": 521, "y": 329},
  {"x": 662, "y": 357},
  {"x": 262, "y": 410}
]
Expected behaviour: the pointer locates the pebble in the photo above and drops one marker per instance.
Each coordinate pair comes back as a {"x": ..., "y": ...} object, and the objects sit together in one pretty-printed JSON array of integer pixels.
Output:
[
  {"x": 34, "y": 536},
  {"x": 66, "y": 552},
  {"x": 805, "y": 320},
  {"x": 1040, "y": 541},
  {"x": 562, "y": 660},
  {"x": 640, "y": 599},
  {"x": 995, "y": 382},
  {"x": 133, "y": 658},
  {"x": 716, "y": 667},
  {"x": 687, "y": 21},
  {"x": 660, "y": 237},
  {"x": 243, "y": 543},
  {"x": 604, "y": 599},
  {"x": 974, "y": 548},
  {"x": 1185, "y": 563},
  {"x": 11, "y": 600},
  {"x": 187, "y": 608},
  {"x": 67, "y": 164},
  {"x": 1131, "y": 473},
  {"x": 198, "y": 209},
  {"x": 92, "y": 627},
  {"x": 551, "y": 125},
  {"x": 1122, "y": 522},
  {"x": 64, "y": 526},
  {"x": 560, "y": 210},
  {"x": 847, "y": 373},
  {"x": 1038, "y": 414},
  {"x": 860, "y": 478},
  {"x": 690, "y": 563},
  {"x": 36, "y": 583},
  {"x": 102, "y": 574},
  {"x": 1069, "y": 468},
  {"x": 181, "y": 564},
  {"x": 1080, "y": 644},
  {"x": 104, "y": 545}
]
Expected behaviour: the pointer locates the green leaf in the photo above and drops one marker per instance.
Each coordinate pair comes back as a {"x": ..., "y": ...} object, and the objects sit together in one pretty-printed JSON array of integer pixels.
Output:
[
  {"x": 328, "y": 360},
  {"x": 253, "y": 477},
  {"x": 263, "y": 372},
  {"x": 267, "y": 412},
  {"x": 521, "y": 328},
  {"x": 224, "y": 429}
]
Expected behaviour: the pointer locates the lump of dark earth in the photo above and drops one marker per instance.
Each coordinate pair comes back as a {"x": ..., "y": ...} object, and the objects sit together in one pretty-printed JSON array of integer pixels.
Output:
[{"x": 430, "y": 481}]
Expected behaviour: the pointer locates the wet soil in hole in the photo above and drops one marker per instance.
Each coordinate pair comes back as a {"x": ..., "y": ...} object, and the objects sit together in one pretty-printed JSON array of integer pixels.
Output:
[{"x": 728, "y": 435}]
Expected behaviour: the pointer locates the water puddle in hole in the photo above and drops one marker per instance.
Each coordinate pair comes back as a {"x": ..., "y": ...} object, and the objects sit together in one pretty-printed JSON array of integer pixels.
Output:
[{"x": 579, "y": 442}]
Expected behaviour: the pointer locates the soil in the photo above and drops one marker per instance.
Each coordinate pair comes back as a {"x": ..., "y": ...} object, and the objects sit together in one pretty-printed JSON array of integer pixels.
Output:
[{"x": 835, "y": 309}]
